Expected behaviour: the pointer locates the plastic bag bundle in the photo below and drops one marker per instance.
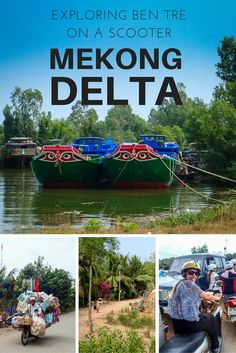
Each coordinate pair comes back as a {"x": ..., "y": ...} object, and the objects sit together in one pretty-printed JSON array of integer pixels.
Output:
[
  {"x": 43, "y": 295},
  {"x": 44, "y": 306},
  {"x": 52, "y": 301},
  {"x": 29, "y": 292},
  {"x": 49, "y": 318},
  {"x": 22, "y": 307},
  {"x": 14, "y": 322},
  {"x": 38, "y": 327},
  {"x": 24, "y": 297}
]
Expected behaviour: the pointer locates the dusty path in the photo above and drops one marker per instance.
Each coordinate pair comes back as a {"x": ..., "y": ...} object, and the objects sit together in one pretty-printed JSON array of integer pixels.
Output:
[
  {"x": 99, "y": 319},
  {"x": 59, "y": 338}
]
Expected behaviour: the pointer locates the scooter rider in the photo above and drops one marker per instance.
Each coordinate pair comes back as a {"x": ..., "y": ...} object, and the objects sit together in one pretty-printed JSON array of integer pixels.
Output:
[
  {"x": 234, "y": 263},
  {"x": 33, "y": 307},
  {"x": 184, "y": 303},
  {"x": 229, "y": 270},
  {"x": 212, "y": 276}
]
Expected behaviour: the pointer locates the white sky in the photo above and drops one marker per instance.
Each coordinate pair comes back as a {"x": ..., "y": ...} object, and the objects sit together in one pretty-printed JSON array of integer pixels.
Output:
[
  {"x": 58, "y": 251},
  {"x": 177, "y": 245}
]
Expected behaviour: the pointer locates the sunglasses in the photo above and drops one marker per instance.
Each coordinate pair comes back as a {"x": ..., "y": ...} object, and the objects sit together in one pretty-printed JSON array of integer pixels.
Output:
[{"x": 192, "y": 272}]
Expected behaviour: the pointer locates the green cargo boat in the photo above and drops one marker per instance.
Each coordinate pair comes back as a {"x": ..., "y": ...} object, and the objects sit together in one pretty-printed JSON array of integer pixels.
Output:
[
  {"x": 64, "y": 166},
  {"x": 138, "y": 165}
]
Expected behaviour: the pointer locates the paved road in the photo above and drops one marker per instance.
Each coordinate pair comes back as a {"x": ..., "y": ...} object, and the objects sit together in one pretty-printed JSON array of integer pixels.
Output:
[
  {"x": 59, "y": 338},
  {"x": 229, "y": 337}
]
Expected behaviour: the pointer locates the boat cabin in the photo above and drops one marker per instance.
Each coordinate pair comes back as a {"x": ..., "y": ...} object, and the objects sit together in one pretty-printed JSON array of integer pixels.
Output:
[
  {"x": 94, "y": 145},
  {"x": 159, "y": 144},
  {"x": 20, "y": 146}
]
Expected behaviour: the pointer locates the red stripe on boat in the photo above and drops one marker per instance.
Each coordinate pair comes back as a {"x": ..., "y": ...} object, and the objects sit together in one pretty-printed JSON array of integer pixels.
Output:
[{"x": 141, "y": 184}]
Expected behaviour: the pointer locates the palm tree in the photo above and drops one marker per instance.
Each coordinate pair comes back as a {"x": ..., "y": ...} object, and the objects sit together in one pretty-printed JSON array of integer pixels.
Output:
[{"x": 91, "y": 250}]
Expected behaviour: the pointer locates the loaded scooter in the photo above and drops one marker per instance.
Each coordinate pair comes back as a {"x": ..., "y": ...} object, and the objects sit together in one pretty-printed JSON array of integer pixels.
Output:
[
  {"x": 197, "y": 342},
  {"x": 24, "y": 326},
  {"x": 23, "y": 322},
  {"x": 34, "y": 315}
]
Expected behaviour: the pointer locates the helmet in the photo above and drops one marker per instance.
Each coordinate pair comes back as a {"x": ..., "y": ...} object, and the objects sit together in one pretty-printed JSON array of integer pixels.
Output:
[
  {"x": 233, "y": 261},
  {"x": 212, "y": 267},
  {"x": 228, "y": 265},
  {"x": 190, "y": 265},
  {"x": 32, "y": 298}
]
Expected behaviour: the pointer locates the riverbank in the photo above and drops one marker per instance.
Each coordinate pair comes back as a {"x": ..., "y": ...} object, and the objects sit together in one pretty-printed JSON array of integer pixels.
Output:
[{"x": 220, "y": 218}]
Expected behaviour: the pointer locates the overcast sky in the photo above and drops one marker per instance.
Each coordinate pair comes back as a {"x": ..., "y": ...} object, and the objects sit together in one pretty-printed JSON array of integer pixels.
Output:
[
  {"x": 58, "y": 251},
  {"x": 177, "y": 245}
]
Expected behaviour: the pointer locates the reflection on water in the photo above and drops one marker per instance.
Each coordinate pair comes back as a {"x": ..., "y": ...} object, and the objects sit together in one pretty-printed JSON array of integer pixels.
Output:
[{"x": 24, "y": 204}]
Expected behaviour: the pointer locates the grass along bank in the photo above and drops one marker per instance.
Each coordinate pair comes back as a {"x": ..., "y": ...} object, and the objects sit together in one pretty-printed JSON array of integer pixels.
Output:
[{"x": 220, "y": 218}]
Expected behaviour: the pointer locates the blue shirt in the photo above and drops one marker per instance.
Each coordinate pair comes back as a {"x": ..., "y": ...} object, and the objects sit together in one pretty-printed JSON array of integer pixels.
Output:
[{"x": 186, "y": 302}]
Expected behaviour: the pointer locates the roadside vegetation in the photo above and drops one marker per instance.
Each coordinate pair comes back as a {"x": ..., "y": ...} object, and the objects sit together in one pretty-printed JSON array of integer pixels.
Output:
[
  {"x": 113, "y": 277},
  {"x": 133, "y": 319},
  {"x": 118, "y": 341}
]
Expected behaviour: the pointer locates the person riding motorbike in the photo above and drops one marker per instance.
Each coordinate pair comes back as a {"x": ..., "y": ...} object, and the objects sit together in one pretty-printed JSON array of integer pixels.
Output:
[
  {"x": 234, "y": 263},
  {"x": 212, "y": 276},
  {"x": 33, "y": 307},
  {"x": 229, "y": 270},
  {"x": 184, "y": 303}
]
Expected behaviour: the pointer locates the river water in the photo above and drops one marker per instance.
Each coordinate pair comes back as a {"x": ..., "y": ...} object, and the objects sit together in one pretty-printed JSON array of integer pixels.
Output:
[{"x": 27, "y": 206}]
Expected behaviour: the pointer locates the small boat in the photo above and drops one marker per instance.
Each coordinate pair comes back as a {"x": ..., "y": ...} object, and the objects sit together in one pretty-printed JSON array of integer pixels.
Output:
[
  {"x": 65, "y": 166},
  {"x": 139, "y": 165},
  {"x": 19, "y": 151}
]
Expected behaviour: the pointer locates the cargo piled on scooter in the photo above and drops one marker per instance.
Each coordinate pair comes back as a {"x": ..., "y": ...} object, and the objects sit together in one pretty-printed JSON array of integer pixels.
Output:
[
  {"x": 36, "y": 311},
  {"x": 46, "y": 306},
  {"x": 24, "y": 321}
]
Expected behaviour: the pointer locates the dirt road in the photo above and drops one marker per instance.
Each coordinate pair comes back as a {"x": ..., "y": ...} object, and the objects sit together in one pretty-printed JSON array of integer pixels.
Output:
[
  {"x": 59, "y": 338},
  {"x": 99, "y": 318}
]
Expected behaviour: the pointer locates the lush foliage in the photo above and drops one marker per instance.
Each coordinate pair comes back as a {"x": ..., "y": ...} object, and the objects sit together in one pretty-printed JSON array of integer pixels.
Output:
[
  {"x": 113, "y": 269},
  {"x": 116, "y": 341},
  {"x": 55, "y": 281},
  {"x": 7, "y": 284}
]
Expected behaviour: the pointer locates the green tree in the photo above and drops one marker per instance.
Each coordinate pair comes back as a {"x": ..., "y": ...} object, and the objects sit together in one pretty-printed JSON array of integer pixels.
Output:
[
  {"x": 123, "y": 125},
  {"x": 84, "y": 120},
  {"x": 169, "y": 113},
  {"x": 226, "y": 71},
  {"x": 21, "y": 118},
  {"x": 226, "y": 68},
  {"x": 199, "y": 249},
  {"x": 53, "y": 281},
  {"x": 90, "y": 249},
  {"x": 165, "y": 263}
]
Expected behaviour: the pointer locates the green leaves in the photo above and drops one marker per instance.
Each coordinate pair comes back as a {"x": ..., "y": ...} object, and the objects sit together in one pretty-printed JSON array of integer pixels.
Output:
[
  {"x": 115, "y": 341},
  {"x": 52, "y": 281},
  {"x": 226, "y": 68}
]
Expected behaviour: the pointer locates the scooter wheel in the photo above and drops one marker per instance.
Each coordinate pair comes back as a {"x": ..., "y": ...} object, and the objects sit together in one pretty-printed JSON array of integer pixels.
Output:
[{"x": 25, "y": 337}]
